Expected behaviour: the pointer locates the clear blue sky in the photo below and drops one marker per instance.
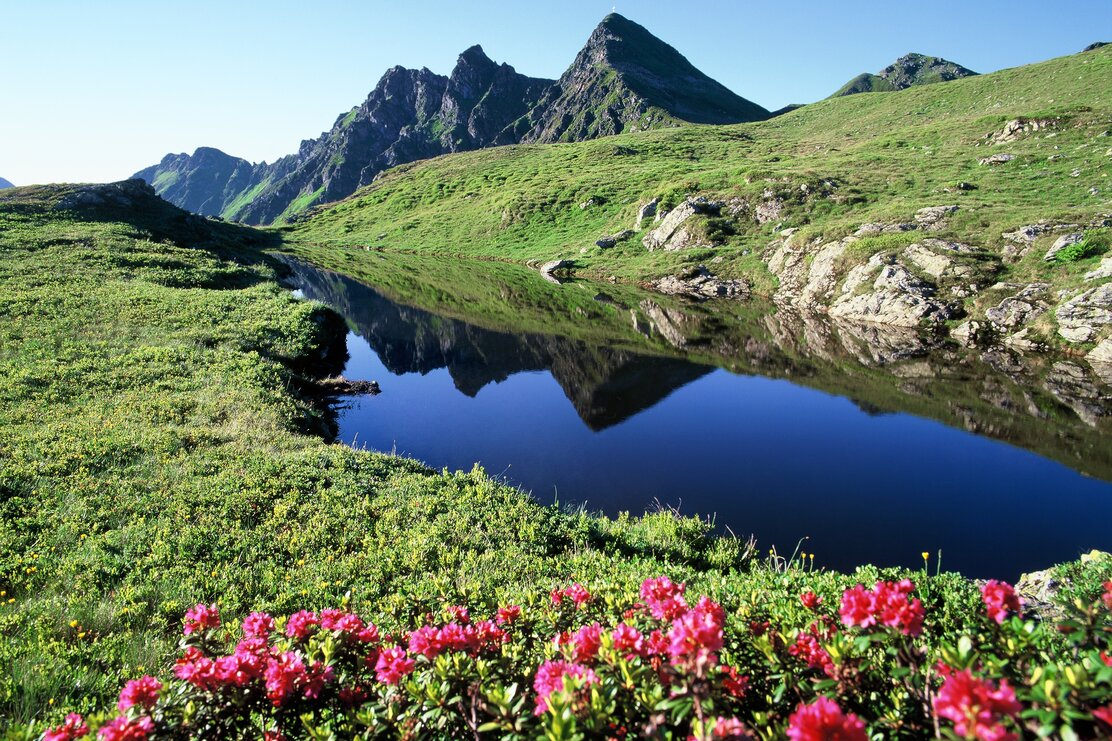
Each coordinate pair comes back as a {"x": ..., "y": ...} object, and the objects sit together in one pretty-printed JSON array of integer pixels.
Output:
[{"x": 95, "y": 90}]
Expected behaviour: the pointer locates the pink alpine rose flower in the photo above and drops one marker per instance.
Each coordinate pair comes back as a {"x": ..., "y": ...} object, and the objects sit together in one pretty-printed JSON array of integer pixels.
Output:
[
  {"x": 823, "y": 720},
  {"x": 975, "y": 706},
  {"x": 201, "y": 617},
  {"x": 258, "y": 625},
  {"x": 550, "y": 678},
  {"x": 663, "y": 598},
  {"x": 730, "y": 728},
  {"x": 73, "y": 727},
  {"x": 284, "y": 675},
  {"x": 301, "y": 624},
  {"x": 628, "y": 640},
  {"x": 698, "y": 632},
  {"x": 392, "y": 665},
  {"x": 1000, "y": 599},
  {"x": 576, "y": 593},
  {"x": 508, "y": 615},
  {"x": 122, "y": 729},
  {"x": 142, "y": 692}
]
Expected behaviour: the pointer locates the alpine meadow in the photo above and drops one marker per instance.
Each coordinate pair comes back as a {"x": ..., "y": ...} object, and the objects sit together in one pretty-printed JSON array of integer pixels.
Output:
[{"x": 608, "y": 406}]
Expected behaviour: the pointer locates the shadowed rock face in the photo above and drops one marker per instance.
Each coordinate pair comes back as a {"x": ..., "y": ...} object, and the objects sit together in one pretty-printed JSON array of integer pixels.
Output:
[{"x": 623, "y": 79}]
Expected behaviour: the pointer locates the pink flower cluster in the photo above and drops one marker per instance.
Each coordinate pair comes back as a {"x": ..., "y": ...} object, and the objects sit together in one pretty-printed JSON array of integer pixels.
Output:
[
  {"x": 393, "y": 664},
  {"x": 663, "y": 598},
  {"x": 142, "y": 692},
  {"x": 697, "y": 634},
  {"x": 976, "y": 708},
  {"x": 550, "y": 678},
  {"x": 1107, "y": 596},
  {"x": 575, "y": 593},
  {"x": 1000, "y": 599},
  {"x": 691, "y": 642},
  {"x": 729, "y": 728},
  {"x": 121, "y": 728},
  {"x": 430, "y": 641},
  {"x": 585, "y": 642},
  {"x": 810, "y": 600},
  {"x": 283, "y": 674},
  {"x": 73, "y": 727},
  {"x": 886, "y": 604},
  {"x": 201, "y": 618},
  {"x": 807, "y": 648},
  {"x": 823, "y": 720}
]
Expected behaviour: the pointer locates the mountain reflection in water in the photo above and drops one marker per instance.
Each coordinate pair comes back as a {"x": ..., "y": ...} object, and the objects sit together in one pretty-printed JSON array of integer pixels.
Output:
[{"x": 676, "y": 402}]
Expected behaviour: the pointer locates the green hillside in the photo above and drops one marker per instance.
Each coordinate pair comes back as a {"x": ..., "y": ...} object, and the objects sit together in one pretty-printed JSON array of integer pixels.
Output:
[{"x": 887, "y": 155}]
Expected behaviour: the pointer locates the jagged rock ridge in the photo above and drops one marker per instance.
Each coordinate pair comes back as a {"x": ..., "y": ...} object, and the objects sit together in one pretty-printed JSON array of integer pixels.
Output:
[
  {"x": 624, "y": 79},
  {"x": 907, "y": 71}
]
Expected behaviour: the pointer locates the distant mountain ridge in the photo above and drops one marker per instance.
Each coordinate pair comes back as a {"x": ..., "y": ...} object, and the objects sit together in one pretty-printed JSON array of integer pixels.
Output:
[
  {"x": 6, "y": 183},
  {"x": 624, "y": 79},
  {"x": 907, "y": 71}
]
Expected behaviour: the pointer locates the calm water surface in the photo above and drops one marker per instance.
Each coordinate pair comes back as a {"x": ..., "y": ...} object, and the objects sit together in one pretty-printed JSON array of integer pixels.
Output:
[{"x": 600, "y": 424}]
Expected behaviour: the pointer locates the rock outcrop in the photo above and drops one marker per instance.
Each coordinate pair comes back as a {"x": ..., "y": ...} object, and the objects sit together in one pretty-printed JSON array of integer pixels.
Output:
[
  {"x": 701, "y": 283},
  {"x": 1081, "y": 318},
  {"x": 672, "y": 232},
  {"x": 1015, "y": 311},
  {"x": 1061, "y": 243},
  {"x": 895, "y": 296}
]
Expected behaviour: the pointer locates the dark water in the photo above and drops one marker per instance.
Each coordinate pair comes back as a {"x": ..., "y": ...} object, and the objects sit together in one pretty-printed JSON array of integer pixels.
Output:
[{"x": 777, "y": 426}]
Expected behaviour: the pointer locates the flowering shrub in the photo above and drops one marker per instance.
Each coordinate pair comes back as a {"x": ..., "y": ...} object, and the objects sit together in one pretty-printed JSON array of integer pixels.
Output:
[{"x": 660, "y": 664}]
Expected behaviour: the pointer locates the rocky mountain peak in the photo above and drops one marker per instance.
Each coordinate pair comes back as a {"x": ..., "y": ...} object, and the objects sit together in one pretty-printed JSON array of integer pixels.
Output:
[
  {"x": 472, "y": 74},
  {"x": 624, "y": 79},
  {"x": 908, "y": 71}
]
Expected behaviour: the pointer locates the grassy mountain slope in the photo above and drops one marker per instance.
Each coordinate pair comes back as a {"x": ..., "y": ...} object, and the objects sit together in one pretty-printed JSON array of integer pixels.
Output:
[
  {"x": 158, "y": 448},
  {"x": 825, "y": 169},
  {"x": 887, "y": 155}
]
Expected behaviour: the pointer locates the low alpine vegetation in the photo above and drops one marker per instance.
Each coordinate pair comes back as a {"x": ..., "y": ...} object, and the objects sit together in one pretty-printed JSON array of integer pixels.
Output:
[{"x": 660, "y": 663}]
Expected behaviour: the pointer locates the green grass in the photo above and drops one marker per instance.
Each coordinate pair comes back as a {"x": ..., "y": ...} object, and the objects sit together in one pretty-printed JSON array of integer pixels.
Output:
[
  {"x": 155, "y": 452},
  {"x": 157, "y": 447},
  {"x": 243, "y": 200},
  {"x": 300, "y": 204},
  {"x": 165, "y": 180},
  {"x": 886, "y": 155}
]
